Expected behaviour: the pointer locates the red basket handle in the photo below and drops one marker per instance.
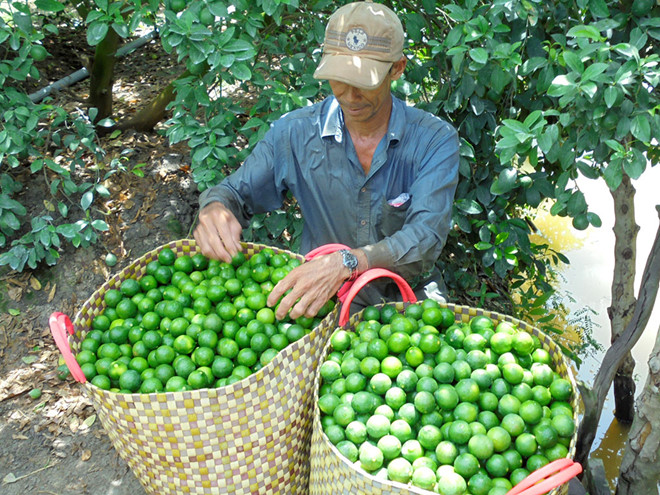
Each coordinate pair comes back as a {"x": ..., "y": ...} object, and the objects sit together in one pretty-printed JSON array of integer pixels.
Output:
[
  {"x": 364, "y": 279},
  {"x": 60, "y": 324},
  {"x": 325, "y": 249},
  {"x": 328, "y": 249},
  {"x": 548, "y": 477}
]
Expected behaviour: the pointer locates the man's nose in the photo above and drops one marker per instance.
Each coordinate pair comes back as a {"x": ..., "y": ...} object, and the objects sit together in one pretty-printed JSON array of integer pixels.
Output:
[{"x": 354, "y": 93}]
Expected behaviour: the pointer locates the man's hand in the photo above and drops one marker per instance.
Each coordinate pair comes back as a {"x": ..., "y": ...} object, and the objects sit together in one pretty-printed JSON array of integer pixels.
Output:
[
  {"x": 219, "y": 233},
  {"x": 311, "y": 284}
]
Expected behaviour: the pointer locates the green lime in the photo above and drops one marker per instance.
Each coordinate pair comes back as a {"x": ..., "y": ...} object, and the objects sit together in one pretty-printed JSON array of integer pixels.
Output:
[
  {"x": 130, "y": 380},
  {"x": 429, "y": 436},
  {"x": 459, "y": 432},
  {"x": 563, "y": 425},
  {"x": 198, "y": 379},
  {"x": 561, "y": 389},
  {"x": 348, "y": 450},
  {"x": 514, "y": 424},
  {"x": 522, "y": 343},
  {"x": 400, "y": 469},
  {"x": 380, "y": 383},
  {"x": 480, "y": 484},
  {"x": 500, "y": 437},
  {"x": 378, "y": 426},
  {"x": 451, "y": 483},
  {"x": 466, "y": 464},
  {"x": 371, "y": 457},
  {"x": 390, "y": 446},
  {"x": 112, "y": 297},
  {"x": 531, "y": 412},
  {"x": 102, "y": 382},
  {"x": 401, "y": 429},
  {"x": 391, "y": 366},
  {"x": 526, "y": 444},
  {"x": 536, "y": 461}
]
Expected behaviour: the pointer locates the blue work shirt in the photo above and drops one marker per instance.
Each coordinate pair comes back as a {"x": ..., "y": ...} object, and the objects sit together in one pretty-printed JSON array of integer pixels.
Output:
[{"x": 309, "y": 152}]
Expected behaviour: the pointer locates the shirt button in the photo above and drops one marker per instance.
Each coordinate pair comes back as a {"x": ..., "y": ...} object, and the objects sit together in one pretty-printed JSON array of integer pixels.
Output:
[
  {"x": 363, "y": 222},
  {"x": 364, "y": 189}
]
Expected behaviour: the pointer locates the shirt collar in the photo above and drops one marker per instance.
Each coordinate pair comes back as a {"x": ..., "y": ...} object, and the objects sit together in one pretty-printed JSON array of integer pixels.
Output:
[{"x": 333, "y": 124}]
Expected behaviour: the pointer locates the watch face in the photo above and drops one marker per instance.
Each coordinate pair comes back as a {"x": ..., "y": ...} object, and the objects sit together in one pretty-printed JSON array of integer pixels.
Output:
[{"x": 349, "y": 259}]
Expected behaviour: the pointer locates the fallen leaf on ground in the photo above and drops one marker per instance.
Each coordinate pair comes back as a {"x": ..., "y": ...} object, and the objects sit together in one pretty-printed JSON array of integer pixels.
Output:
[
  {"x": 35, "y": 284},
  {"x": 86, "y": 455},
  {"x": 9, "y": 478},
  {"x": 51, "y": 294}
]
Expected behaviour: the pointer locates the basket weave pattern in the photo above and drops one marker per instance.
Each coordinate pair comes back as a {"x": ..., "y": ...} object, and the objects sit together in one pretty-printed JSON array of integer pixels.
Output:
[
  {"x": 252, "y": 436},
  {"x": 332, "y": 473}
]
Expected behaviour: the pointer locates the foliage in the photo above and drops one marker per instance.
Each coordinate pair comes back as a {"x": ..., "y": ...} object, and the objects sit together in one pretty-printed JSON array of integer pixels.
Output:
[{"x": 541, "y": 92}]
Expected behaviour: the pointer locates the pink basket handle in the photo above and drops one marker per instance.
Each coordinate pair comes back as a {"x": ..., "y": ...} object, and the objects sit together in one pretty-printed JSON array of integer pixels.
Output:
[
  {"x": 60, "y": 324},
  {"x": 548, "y": 477},
  {"x": 329, "y": 249},
  {"x": 364, "y": 279}
]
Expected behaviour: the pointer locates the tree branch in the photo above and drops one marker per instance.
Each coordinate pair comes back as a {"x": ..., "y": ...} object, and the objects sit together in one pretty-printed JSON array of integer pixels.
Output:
[{"x": 595, "y": 398}]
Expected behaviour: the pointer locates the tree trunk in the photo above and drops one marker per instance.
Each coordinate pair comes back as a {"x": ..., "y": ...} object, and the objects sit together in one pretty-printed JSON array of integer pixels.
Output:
[
  {"x": 152, "y": 113},
  {"x": 102, "y": 74},
  {"x": 640, "y": 467},
  {"x": 595, "y": 398},
  {"x": 623, "y": 293}
]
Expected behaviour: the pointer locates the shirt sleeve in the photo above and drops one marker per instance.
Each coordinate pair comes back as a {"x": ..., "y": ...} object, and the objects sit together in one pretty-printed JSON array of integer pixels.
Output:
[
  {"x": 413, "y": 250},
  {"x": 253, "y": 188}
]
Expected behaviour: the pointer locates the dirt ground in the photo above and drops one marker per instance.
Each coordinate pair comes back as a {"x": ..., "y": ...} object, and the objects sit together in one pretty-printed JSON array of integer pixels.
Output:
[{"x": 54, "y": 444}]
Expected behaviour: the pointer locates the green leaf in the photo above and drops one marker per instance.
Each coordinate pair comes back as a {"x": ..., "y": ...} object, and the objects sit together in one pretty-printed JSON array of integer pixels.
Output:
[
  {"x": 593, "y": 71},
  {"x": 599, "y": 8},
  {"x": 482, "y": 246},
  {"x": 610, "y": 95},
  {"x": 505, "y": 182},
  {"x": 583, "y": 31},
  {"x": 640, "y": 128},
  {"x": 241, "y": 72},
  {"x": 96, "y": 33},
  {"x": 613, "y": 174},
  {"x": 469, "y": 206},
  {"x": 86, "y": 200},
  {"x": 49, "y": 5},
  {"x": 517, "y": 127},
  {"x": 100, "y": 225},
  {"x": 479, "y": 55},
  {"x": 573, "y": 61},
  {"x": 589, "y": 88},
  {"x": 201, "y": 153},
  {"x": 561, "y": 85}
]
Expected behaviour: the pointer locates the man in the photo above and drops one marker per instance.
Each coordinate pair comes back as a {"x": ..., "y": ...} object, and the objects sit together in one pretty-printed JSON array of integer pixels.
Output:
[{"x": 367, "y": 171}]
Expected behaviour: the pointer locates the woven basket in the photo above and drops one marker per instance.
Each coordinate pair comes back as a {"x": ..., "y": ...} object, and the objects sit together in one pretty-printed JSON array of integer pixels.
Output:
[
  {"x": 252, "y": 436},
  {"x": 332, "y": 473}
]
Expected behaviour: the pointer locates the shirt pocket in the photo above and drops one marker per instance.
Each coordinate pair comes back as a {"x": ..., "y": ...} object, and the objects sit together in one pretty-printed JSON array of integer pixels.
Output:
[{"x": 392, "y": 218}]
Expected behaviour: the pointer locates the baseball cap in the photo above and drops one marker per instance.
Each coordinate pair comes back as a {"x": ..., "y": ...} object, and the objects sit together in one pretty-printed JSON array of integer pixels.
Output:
[{"x": 362, "y": 40}]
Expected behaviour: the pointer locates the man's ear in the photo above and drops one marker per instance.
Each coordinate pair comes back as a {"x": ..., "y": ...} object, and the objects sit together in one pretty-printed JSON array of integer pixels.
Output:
[{"x": 397, "y": 68}]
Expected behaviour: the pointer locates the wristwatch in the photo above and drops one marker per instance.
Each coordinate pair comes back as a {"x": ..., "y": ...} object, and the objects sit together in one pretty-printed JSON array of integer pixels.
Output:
[{"x": 350, "y": 261}]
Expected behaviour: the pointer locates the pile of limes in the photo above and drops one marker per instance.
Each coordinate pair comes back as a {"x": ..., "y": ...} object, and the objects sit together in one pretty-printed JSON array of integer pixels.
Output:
[
  {"x": 455, "y": 408},
  {"x": 190, "y": 323}
]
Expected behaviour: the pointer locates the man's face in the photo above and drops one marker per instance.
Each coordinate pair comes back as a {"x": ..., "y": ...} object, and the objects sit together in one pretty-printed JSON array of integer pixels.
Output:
[
  {"x": 363, "y": 105},
  {"x": 367, "y": 105}
]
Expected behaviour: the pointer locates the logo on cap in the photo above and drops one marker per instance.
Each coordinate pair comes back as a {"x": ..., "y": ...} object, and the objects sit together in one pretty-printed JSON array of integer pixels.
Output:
[{"x": 356, "y": 39}]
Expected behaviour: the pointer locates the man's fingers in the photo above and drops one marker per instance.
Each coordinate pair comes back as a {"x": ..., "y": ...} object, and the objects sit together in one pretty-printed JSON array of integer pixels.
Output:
[
  {"x": 211, "y": 244},
  {"x": 218, "y": 233}
]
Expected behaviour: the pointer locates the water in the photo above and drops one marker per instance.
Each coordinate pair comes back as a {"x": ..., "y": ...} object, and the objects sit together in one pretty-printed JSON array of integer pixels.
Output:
[{"x": 588, "y": 279}]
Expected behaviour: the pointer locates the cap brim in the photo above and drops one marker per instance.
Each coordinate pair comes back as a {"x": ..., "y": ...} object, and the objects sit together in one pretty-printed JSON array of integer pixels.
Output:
[{"x": 363, "y": 73}]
